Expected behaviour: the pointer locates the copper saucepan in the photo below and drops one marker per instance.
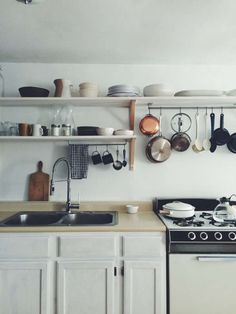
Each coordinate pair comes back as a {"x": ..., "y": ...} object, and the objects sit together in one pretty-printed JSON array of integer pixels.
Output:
[{"x": 149, "y": 125}]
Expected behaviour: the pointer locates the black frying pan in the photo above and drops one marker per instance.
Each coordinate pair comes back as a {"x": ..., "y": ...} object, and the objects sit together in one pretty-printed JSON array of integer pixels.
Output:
[
  {"x": 221, "y": 135},
  {"x": 232, "y": 143}
]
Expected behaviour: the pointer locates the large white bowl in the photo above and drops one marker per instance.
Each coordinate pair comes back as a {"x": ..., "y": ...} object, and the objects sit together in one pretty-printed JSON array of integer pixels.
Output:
[
  {"x": 156, "y": 90},
  {"x": 105, "y": 131}
]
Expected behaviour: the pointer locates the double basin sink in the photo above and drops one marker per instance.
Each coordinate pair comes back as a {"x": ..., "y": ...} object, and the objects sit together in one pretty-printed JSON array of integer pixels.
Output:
[{"x": 85, "y": 218}]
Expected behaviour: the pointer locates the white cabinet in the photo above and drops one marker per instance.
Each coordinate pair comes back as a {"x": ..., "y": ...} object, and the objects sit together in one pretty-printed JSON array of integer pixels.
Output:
[
  {"x": 144, "y": 287},
  {"x": 24, "y": 287},
  {"x": 85, "y": 287},
  {"x": 83, "y": 273}
]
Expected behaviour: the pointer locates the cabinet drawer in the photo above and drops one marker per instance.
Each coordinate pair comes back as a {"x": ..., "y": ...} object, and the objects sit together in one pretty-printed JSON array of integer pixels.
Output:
[
  {"x": 143, "y": 246},
  {"x": 24, "y": 247},
  {"x": 87, "y": 246}
]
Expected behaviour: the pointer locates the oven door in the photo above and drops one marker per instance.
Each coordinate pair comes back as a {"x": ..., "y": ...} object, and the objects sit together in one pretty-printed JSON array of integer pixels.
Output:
[{"x": 202, "y": 284}]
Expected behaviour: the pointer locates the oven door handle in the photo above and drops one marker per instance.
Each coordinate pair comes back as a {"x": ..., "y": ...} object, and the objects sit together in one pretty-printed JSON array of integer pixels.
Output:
[{"x": 216, "y": 258}]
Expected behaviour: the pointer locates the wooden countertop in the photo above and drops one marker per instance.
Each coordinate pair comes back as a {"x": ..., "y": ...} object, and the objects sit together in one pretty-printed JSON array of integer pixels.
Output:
[{"x": 143, "y": 221}]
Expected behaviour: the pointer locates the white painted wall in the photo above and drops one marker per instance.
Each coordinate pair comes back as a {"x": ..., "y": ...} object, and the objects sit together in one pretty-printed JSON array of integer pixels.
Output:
[{"x": 184, "y": 174}]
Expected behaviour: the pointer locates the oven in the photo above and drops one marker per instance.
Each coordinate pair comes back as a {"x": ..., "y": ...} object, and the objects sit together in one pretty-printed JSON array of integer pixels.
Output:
[{"x": 201, "y": 262}]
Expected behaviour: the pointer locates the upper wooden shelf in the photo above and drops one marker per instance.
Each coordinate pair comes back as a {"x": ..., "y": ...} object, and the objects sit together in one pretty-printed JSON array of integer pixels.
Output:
[{"x": 119, "y": 101}]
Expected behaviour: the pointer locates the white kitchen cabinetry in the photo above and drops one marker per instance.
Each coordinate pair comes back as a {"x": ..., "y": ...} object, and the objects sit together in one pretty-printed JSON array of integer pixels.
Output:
[
  {"x": 25, "y": 275},
  {"x": 83, "y": 273},
  {"x": 144, "y": 274},
  {"x": 85, "y": 287}
]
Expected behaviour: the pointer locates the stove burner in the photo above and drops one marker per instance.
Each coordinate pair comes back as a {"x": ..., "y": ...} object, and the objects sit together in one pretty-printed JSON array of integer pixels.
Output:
[
  {"x": 206, "y": 215},
  {"x": 187, "y": 222},
  {"x": 223, "y": 224}
]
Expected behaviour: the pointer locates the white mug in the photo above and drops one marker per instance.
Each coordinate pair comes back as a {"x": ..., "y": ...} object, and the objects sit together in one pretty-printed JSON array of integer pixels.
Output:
[{"x": 37, "y": 130}]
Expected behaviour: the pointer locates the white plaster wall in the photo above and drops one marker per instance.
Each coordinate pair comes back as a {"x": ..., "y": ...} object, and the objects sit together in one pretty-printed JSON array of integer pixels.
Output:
[{"x": 184, "y": 174}]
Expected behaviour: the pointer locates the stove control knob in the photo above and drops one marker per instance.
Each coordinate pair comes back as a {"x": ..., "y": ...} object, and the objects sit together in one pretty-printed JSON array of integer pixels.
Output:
[
  {"x": 191, "y": 236},
  {"x": 218, "y": 236},
  {"x": 232, "y": 236},
  {"x": 203, "y": 236}
]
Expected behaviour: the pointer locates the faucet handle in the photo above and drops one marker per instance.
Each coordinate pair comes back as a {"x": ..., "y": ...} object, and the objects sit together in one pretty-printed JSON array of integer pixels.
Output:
[{"x": 52, "y": 188}]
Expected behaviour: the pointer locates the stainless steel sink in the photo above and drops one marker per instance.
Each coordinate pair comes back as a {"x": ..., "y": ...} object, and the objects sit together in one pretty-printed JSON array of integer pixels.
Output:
[{"x": 87, "y": 218}]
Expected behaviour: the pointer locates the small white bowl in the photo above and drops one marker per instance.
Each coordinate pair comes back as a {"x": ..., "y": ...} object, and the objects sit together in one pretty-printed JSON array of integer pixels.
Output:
[
  {"x": 156, "y": 90},
  {"x": 124, "y": 132},
  {"x": 131, "y": 209},
  {"x": 105, "y": 131}
]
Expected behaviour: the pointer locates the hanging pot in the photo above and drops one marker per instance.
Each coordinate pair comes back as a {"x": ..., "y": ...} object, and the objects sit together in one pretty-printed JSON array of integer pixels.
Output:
[
  {"x": 149, "y": 125},
  {"x": 180, "y": 141},
  {"x": 158, "y": 148}
]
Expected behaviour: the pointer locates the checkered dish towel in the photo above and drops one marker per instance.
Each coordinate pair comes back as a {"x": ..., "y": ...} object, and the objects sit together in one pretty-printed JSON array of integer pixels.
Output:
[{"x": 79, "y": 159}]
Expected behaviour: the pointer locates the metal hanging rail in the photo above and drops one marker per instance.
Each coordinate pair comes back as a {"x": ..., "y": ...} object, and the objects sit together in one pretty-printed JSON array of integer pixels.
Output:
[{"x": 151, "y": 107}]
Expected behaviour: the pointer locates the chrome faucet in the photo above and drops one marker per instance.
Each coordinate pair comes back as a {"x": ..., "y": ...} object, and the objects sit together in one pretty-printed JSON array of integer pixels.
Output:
[{"x": 69, "y": 205}]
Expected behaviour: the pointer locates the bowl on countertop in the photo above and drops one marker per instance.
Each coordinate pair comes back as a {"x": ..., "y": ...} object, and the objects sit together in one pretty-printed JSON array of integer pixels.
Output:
[
  {"x": 105, "y": 131},
  {"x": 32, "y": 91}
]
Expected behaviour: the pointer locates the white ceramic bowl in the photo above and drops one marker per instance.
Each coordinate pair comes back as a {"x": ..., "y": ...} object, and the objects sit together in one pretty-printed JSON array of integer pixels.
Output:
[
  {"x": 105, "y": 131},
  {"x": 124, "y": 132},
  {"x": 156, "y": 90},
  {"x": 88, "y": 85},
  {"x": 131, "y": 209},
  {"x": 86, "y": 92}
]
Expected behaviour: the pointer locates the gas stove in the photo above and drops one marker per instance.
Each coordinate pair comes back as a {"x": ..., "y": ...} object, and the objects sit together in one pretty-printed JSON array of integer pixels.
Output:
[{"x": 200, "y": 233}]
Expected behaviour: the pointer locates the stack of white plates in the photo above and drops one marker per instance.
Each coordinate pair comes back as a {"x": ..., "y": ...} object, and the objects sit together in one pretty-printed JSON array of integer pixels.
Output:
[{"x": 123, "y": 91}]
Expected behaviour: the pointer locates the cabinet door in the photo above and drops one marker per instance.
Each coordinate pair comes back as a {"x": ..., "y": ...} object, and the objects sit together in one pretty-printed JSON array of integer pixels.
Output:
[
  {"x": 24, "y": 287},
  {"x": 85, "y": 287},
  {"x": 144, "y": 287}
]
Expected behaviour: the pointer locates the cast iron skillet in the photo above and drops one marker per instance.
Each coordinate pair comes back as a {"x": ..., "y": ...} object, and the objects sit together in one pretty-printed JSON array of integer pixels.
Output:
[
  {"x": 221, "y": 135},
  {"x": 232, "y": 143}
]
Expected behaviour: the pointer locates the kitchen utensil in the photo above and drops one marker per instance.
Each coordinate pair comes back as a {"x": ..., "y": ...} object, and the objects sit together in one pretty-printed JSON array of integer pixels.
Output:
[
  {"x": 25, "y": 129},
  {"x": 197, "y": 146},
  {"x": 156, "y": 90},
  {"x": 117, "y": 165},
  {"x": 63, "y": 88},
  {"x": 124, "y": 132},
  {"x": 55, "y": 130},
  {"x": 37, "y": 130},
  {"x": 206, "y": 144},
  {"x": 31, "y": 91},
  {"x": 221, "y": 135},
  {"x": 124, "y": 163},
  {"x": 107, "y": 157},
  {"x": 224, "y": 211},
  {"x": 39, "y": 185},
  {"x": 232, "y": 143},
  {"x": 212, "y": 139},
  {"x": 180, "y": 141},
  {"x": 87, "y": 130},
  {"x": 105, "y": 131},
  {"x": 158, "y": 148},
  {"x": 199, "y": 92},
  {"x": 131, "y": 209},
  {"x": 149, "y": 125},
  {"x": 178, "y": 209},
  {"x": 96, "y": 157}
]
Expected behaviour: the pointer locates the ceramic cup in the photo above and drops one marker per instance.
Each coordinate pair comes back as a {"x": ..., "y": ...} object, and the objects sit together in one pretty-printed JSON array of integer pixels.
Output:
[
  {"x": 25, "y": 129},
  {"x": 96, "y": 158},
  {"x": 107, "y": 158},
  {"x": 37, "y": 130},
  {"x": 131, "y": 209}
]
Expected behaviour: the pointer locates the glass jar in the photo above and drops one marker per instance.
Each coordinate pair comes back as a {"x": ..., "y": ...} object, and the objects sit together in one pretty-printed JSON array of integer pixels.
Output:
[
  {"x": 55, "y": 130},
  {"x": 66, "y": 130}
]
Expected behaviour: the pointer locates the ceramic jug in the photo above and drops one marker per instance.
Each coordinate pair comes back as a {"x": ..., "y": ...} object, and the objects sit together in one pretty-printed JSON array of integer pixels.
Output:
[{"x": 63, "y": 88}]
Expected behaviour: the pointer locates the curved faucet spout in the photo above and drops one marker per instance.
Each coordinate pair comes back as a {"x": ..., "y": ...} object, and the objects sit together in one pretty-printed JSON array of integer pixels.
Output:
[{"x": 69, "y": 206}]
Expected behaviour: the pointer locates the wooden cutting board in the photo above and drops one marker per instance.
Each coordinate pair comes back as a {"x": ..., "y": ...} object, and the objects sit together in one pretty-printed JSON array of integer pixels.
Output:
[{"x": 39, "y": 185}]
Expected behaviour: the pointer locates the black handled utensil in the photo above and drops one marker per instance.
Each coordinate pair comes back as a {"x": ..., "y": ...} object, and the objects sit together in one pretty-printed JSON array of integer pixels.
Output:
[
  {"x": 221, "y": 135},
  {"x": 212, "y": 139}
]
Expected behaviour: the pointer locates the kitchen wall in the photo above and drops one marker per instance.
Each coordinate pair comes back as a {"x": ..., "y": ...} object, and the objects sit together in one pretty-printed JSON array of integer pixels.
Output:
[{"x": 184, "y": 174}]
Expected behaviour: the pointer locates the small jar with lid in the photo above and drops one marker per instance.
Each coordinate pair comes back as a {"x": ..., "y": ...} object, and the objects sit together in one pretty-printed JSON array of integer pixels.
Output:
[
  {"x": 66, "y": 130},
  {"x": 55, "y": 130}
]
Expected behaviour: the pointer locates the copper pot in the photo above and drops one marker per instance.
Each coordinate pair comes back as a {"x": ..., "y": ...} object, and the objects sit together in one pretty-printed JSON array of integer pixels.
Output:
[{"x": 149, "y": 125}]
